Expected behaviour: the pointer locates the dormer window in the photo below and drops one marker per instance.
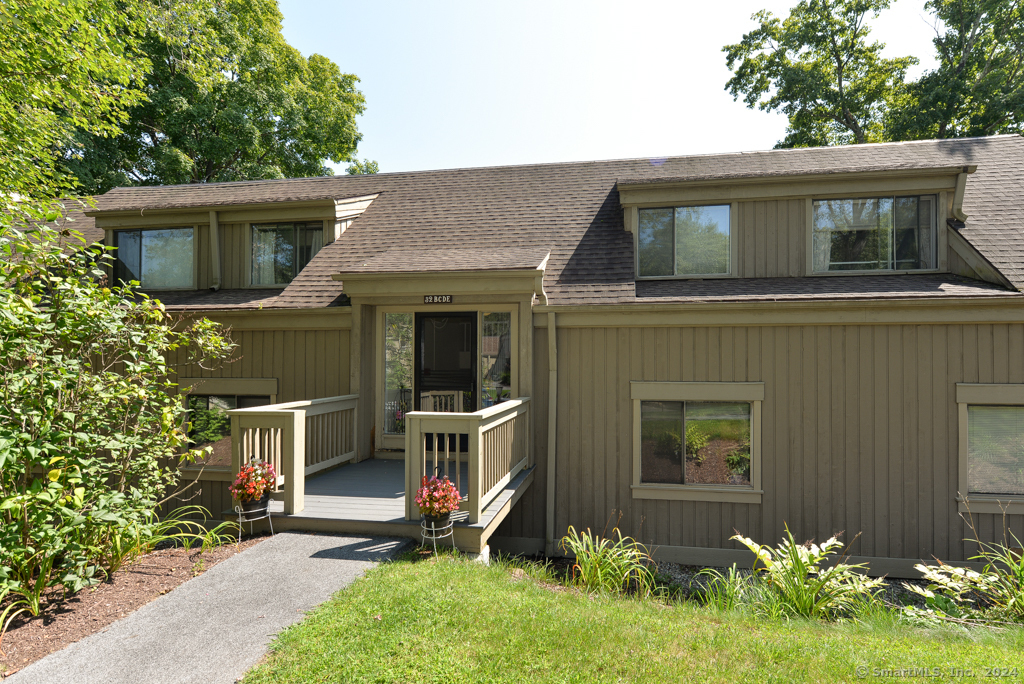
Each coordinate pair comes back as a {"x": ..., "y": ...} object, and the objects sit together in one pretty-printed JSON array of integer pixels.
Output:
[
  {"x": 684, "y": 242},
  {"x": 281, "y": 250},
  {"x": 874, "y": 234},
  {"x": 159, "y": 259}
]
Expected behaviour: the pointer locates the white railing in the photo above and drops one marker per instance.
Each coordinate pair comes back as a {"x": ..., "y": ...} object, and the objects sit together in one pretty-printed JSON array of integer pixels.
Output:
[
  {"x": 498, "y": 440},
  {"x": 298, "y": 438}
]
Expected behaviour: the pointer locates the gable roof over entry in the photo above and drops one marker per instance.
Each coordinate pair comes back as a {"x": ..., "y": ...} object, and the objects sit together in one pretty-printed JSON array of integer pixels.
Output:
[{"x": 572, "y": 211}]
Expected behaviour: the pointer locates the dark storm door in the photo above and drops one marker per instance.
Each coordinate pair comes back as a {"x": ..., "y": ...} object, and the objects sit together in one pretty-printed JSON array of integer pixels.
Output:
[{"x": 445, "y": 365}]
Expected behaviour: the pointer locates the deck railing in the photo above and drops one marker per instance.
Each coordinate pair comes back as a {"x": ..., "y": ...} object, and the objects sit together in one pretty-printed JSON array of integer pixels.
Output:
[
  {"x": 497, "y": 449},
  {"x": 298, "y": 438}
]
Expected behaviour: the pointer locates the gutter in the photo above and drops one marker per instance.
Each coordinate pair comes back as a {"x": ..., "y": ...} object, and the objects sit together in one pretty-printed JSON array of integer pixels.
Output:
[
  {"x": 215, "y": 275},
  {"x": 549, "y": 518}
]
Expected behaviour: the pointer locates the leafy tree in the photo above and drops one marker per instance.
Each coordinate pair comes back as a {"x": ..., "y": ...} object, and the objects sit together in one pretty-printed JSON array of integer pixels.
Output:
[
  {"x": 65, "y": 65},
  {"x": 361, "y": 168},
  {"x": 228, "y": 99},
  {"x": 90, "y": 427},
  {"x": 817, "y": 67},
  {"x": 978, "y": 87}
]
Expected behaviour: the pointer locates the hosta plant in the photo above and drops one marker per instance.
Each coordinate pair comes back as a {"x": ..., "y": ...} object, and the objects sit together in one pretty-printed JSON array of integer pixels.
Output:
[{"x": 805, "y": 582}]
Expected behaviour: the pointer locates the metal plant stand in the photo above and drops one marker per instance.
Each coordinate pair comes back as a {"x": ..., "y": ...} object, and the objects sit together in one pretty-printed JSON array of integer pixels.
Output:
[
  {"x": 243, "y": 517},
  {"x": 432, "y": 533}
]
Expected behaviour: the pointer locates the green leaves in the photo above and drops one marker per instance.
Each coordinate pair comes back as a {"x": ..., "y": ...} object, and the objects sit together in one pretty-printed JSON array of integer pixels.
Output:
[
  {"x": 229, "y": 99},
  {"x": 66, "y": 66},
  {"x": 88, "y": 418},
  {"x": 818, "y": 67}
]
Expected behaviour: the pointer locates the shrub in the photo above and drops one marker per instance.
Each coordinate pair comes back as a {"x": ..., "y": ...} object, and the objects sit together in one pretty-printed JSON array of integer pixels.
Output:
[
  {"x": 609, "y": 566},
  {"x": 90, "y": 427},
  {"x": 795, "y": 575},
  {"x": 696, "y": 439},
  {"x": 995, "y": 594}
]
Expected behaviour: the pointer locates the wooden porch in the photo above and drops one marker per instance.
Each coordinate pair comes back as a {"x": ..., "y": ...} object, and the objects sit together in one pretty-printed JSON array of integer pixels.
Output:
[{"x": 322, "y": 487}]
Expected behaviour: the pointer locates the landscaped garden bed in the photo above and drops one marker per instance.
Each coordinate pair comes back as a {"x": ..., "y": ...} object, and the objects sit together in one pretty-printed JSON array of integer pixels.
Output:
[{"x": 64, "y": 622}]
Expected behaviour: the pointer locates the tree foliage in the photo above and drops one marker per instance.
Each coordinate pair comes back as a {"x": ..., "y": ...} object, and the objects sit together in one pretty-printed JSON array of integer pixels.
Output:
[
  {"x": 65, "y": 66},
  {"x": 363, "y": 168},
  {"x": 227, "y": 99},
  {"x": 818, "y": 67},
  {"x": 90, "y": 426},
  {"x": 978, "y": 86}
]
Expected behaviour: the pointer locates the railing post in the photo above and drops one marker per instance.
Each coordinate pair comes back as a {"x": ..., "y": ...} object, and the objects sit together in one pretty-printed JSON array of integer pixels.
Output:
[
  {"x": 236, "y": 447},
  {"x": 413, "y": 457},
  {"x": 475, "y": 493},
  {"x": 293, "y": 461}
]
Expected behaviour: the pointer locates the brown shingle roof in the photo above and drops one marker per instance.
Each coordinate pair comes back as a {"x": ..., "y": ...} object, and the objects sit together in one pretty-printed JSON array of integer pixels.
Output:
[
  {"x": 404, "y": 260},
  {"x": 572, "y": 210}
]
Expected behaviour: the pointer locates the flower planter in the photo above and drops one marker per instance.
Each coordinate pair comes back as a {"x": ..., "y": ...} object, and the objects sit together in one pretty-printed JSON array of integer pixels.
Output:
[
  {"x": 437, "y": 521},
  {"x": 253, "y": 510}
]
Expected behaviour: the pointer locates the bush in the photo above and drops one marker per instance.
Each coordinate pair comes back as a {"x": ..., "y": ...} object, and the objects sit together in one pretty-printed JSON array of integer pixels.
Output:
[
  {"x": 996, "y": 594},
  {"x": 798, "y": 584},
  {"x": 609, "y": 566},
  {"x": 90, "y": 426}
]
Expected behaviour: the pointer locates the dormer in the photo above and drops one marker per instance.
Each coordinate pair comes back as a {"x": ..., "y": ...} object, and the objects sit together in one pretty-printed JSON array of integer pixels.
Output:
[{"x": 843, "y": 223}]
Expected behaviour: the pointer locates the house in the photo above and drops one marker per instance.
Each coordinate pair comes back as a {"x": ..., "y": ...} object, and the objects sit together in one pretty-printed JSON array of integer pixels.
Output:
[{"x": 829, "y": 339}]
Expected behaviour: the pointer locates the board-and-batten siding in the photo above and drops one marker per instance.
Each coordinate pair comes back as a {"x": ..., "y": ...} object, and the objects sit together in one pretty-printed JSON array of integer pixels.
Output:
[
  {"x": 308, "y": 364},
  {"x": 233, "y": 244},
  {"x": 859, "y": 432},
  {"x": 772, "y": 240}
]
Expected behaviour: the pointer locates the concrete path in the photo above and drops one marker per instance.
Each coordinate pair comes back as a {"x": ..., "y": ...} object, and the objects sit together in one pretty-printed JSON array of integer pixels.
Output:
[{"x": 213, "y": 628}]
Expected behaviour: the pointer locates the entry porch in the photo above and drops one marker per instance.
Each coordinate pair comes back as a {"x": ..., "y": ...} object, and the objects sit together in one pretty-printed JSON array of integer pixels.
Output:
[{"x": 321, "y": 486}]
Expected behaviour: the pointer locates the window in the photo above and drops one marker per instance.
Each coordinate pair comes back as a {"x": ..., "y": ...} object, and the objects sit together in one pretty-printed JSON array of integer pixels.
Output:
[
  {"x": 995, "y": 450},
  {"x": 158, "y": 259},
  {"x": 694, "y": 442},
  {"x": 281, "y": 250},
  {"x": 991, "y": 427},
  {"x": 684, "y": 241},
  {"x": 697, "y": 440},
  {"x": 210, "y": 425},
  {"x": 496, "y": 358},
  {"x": 398, "y": 370},
  {"x": 874, "y": 234}
]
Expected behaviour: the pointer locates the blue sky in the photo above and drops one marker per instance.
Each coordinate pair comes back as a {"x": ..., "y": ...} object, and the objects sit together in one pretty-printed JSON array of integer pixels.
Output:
[{"x": 457, "y": 84}]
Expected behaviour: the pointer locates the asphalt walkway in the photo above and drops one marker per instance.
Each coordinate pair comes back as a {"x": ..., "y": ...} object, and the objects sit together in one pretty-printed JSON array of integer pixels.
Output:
[{"x": 214, "y": 627}]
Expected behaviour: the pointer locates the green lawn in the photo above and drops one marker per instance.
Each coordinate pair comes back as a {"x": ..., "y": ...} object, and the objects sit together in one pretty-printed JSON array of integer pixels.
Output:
[{"x": 458, "y": 621}]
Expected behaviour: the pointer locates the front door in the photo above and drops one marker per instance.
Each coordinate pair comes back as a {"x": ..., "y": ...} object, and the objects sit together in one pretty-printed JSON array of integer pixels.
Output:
[{"x": 445, "y": 363}]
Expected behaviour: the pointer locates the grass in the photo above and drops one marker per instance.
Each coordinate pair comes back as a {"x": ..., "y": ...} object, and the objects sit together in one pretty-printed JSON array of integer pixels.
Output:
[{"x": 457, "y": 621}]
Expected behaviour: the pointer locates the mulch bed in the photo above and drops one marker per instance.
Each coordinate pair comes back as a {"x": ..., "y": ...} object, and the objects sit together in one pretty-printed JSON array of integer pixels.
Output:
[{"x": 60, "y": 623}]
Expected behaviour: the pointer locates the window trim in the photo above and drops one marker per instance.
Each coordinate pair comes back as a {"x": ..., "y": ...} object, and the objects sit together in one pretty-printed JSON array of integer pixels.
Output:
[
  {"x": 328, "y": 236},
  {"x": 752, "y": 392},
  {"x": 733, "y": 243},
  {"x": 196, "y": 239},
  {"x": 983, "y": 394},
  {"x": 941, "y": 243}
]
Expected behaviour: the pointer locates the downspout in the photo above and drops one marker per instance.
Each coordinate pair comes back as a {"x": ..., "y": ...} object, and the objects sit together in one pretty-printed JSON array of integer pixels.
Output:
[
  {"x": 958, "y": 195},
  {"x": 215, "y": 279},
  {"x": 549, "y": 548}
]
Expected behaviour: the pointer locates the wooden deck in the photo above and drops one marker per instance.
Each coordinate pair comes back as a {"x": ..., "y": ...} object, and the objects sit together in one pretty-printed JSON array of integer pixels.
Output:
[{"x": 369, "y": 498}]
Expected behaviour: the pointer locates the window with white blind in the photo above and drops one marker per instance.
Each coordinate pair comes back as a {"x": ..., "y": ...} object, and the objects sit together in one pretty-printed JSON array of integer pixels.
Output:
[
  {"x": 995, "y": 450},
  {"x": 159, "y": 259},
  {"x": 991, "y": 426}
]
